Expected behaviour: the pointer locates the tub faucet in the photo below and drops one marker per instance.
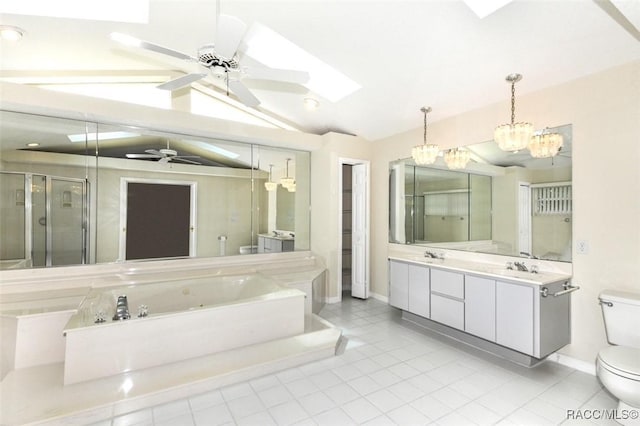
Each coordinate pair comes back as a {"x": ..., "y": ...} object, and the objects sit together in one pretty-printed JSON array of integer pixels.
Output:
[{"x": 122, "y": 309}]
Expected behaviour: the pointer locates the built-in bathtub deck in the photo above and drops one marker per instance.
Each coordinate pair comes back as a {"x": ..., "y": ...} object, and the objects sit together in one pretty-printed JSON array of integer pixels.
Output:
[{"x": 42, "y": 386}]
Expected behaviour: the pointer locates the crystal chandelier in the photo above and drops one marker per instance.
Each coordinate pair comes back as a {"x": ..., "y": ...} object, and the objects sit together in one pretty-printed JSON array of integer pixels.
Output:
[
  {"x": 427, "y": 152},
  {"x": 287, "y": 181},
  {"x": 457, "y": 158},
  {"x": 270, "y": 185},
  {"x": 545, "y": 144},
  {"x": 515, "y": 136}
]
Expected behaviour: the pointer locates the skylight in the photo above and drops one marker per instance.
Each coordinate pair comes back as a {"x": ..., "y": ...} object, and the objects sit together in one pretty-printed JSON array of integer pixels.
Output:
[
  {"x": 275, "y": 51},
  {"x": 91, "y": 137},
  {"x": 484, "y": 8},
  {"x": 134, "y": 11}
]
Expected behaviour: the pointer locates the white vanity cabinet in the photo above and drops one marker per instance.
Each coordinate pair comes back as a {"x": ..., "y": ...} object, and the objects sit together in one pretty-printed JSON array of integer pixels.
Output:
[
  {"x": 419, "y": 296},
  {"x": 409, "y": 287},
  {"x": 514, "y": 316},
  {"x": 447, "y": 298},
  {"x": 269, "y": 244},
  {"x": 399, "y": 284},
  {"x": 499, "y": 314},
  {"x": 480, "y": 307}
]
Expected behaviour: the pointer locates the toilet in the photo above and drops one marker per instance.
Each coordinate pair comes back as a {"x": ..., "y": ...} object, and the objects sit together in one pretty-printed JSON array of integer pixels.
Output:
[
  {"x": 248, "y": 249},
  {"x": 618, "y": 366}
]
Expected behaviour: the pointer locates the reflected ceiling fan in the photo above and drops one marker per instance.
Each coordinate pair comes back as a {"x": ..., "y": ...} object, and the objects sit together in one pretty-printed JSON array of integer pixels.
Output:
[
  {"x": 165, "y": 155},
  {"x": 221, "y": 60}
]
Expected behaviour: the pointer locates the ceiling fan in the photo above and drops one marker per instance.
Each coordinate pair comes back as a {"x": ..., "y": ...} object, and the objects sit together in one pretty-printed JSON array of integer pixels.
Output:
[
  {"x": 164, "y": 155},
  {"x": 221, "y": 60}
]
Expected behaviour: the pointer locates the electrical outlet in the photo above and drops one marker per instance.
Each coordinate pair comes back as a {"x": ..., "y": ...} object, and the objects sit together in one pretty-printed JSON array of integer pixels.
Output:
[{"x": 582, "y": 247}]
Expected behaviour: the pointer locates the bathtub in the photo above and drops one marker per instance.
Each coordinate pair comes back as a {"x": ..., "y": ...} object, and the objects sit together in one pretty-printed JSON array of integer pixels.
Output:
[{"x": 186, "y": 319}]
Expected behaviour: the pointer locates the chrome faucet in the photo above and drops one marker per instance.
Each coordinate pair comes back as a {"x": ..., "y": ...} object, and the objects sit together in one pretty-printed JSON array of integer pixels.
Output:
[
  {"x": 520, "y": 266},
  {"x": 433, "y": 255},
  {"x": 122, "y": 309}
]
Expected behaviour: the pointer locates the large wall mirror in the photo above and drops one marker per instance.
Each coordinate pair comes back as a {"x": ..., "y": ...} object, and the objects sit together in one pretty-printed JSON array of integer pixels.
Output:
[
  {"x": 65, "y": 192},
  {"x": 501, "y": 203}
]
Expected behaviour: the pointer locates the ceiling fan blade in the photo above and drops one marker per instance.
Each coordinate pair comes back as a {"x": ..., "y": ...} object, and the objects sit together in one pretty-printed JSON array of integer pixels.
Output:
[
  {"x": 142, "y": 156},
  {"x": 184, "y": 160},
  {"x": 166, "y": 51},
  {"x": 132, "y": 41},
  {"x": 229, "y": 35},
  {"x": 182, "y": 81},
  {"x": 154, "y": 152},
  {"x": 244, "y": 94},
  {"x": 275, "y": 74}
]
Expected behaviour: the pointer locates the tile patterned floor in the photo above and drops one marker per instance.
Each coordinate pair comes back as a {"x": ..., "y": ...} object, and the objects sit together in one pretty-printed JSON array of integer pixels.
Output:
[{"x": 391, "y": 374}]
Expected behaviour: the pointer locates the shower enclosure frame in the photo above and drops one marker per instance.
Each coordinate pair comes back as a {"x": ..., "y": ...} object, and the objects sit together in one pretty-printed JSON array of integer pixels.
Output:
[{"x": 29, "y": 229}]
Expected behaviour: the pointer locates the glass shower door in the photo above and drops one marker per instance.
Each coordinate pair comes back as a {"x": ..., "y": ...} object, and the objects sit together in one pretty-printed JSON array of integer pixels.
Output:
[{"x": 66, "y": 212}]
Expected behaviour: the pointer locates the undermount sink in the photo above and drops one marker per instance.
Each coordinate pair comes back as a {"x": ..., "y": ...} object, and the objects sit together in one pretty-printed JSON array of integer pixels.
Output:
[{"x": 424, "y": 259}]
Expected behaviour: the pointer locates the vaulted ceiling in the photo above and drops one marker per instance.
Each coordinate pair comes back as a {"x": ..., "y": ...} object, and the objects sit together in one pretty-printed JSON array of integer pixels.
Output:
[{"x": 403, "y": 54}]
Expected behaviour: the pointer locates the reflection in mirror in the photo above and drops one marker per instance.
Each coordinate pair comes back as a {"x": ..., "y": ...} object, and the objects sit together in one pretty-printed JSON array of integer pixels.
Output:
[
  {"x": 507, "y": 203},
  {"x": 44, "y": 197},
  {"x": 65, "y": 201}
]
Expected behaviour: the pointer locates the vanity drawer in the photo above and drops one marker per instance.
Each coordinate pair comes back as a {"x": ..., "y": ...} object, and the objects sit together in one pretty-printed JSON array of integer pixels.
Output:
[
  {"x": 447, "y": 311},
  {"x": 447, "y": 283}
]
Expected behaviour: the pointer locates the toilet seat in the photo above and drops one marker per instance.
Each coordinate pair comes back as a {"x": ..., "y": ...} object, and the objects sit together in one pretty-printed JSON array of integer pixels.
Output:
[{"x": 622, "y": 361}]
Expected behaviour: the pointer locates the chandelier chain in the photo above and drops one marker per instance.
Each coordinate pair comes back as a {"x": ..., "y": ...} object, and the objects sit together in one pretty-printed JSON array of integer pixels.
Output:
[
  {"x": 425, "y": 127},
  {"x": 513, "y": 102}
]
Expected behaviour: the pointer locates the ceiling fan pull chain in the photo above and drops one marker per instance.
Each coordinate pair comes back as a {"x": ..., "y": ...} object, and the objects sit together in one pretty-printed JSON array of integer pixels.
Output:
[{"x": 226, "y": 73}]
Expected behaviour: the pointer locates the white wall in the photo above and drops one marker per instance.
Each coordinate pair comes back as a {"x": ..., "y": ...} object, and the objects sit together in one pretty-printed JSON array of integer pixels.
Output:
[{"x": 604, "y": 109}]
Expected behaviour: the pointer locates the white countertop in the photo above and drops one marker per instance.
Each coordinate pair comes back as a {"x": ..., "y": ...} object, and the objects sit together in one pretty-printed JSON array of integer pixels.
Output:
[
  {"x": 485, "y": 269},
  {"x": 277, "y": 237}
]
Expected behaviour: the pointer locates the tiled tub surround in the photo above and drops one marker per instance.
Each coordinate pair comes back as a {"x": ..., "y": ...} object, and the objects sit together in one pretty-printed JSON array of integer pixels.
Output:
[
  {"x": 519, "y": 315},
  {"x": 305, "y": 339}
]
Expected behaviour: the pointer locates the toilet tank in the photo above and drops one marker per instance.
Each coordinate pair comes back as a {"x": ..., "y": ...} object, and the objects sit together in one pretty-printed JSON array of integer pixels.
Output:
[{"x": 621, "y": 313}]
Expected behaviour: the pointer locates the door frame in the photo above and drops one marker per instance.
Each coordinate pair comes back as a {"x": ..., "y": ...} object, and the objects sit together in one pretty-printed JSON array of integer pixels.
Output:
[
  {"x": 124, "y": 185},
  {"x": 352, "y": 161}
]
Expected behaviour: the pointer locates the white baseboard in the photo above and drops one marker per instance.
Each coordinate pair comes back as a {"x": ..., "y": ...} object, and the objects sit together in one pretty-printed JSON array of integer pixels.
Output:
[
  {"x": 576, "y": 364},
  {"x": 336, "y": 299},
  {"x": 380, "y": 297}
]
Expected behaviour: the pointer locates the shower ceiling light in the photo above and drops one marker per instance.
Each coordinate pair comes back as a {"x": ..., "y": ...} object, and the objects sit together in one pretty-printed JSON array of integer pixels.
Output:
[
  {"x": 457, "y": 158},
  {"x": 545, "y": 144},
  {"x": 425, "y": 153},
  {"x": 515, "y": 136}
]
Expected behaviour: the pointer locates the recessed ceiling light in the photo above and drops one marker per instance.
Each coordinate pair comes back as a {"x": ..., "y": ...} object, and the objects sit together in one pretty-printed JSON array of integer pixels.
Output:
[
  {"x": 33, "y": 144},
  {"x": 311, "y": 104},
  {"x": 11, "y": 33}
]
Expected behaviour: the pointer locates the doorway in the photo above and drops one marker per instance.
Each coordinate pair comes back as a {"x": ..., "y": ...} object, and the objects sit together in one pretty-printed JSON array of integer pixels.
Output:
[
  {"x": 157, "y": 219},
  {"x": 354, "y": 228}
]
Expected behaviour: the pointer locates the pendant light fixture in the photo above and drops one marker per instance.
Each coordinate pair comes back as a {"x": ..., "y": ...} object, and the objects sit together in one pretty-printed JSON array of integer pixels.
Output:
[
  {"x": 427, "y": 152},
  {"x": 545, "y": 144},
  {"x": 515, "y": 136},
  {"x": 270, "y": 185},
  {"x": 287, "y": 181},
  {"x": 457, "y": 158}
]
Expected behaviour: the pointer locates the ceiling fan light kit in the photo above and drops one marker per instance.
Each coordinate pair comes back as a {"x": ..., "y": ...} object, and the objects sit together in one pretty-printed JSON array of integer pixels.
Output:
[
  {"x": 427, "y": 152},
  {"x": 514, "y": 136}
]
